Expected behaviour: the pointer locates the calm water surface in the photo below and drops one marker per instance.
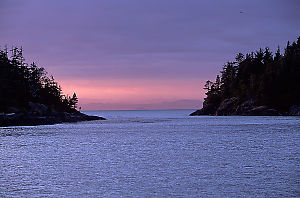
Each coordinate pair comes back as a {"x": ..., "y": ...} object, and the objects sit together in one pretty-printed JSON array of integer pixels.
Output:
[{"x": 153, "y": 154}]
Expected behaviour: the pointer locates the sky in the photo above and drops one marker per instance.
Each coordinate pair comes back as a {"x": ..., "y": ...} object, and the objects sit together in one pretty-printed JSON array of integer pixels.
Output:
[{"x": 143, "y": 54}]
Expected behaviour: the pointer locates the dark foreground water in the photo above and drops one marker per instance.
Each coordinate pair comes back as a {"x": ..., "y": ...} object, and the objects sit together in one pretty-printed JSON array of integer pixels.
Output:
[{"x": 153, "y": 154}]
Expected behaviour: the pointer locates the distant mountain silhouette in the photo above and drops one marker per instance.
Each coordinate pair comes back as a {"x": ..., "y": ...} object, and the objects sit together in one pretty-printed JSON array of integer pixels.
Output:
[{"x": 172, "y": 104}]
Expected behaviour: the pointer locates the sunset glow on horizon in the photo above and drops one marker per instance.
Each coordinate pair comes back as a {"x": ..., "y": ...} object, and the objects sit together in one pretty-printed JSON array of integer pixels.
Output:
[
  {"x": 142, "y": 54},
  {"x": 134, "y": 93}
]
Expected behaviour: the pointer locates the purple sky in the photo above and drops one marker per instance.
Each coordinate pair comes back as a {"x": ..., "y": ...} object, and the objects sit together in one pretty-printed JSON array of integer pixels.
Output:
[{"x": 134, "y": 54}]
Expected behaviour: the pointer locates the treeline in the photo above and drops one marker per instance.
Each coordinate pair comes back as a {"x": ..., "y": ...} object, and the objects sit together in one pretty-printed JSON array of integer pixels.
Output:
[
  {"x": 22, "y": 83},
  {"x": 262, "y": 77}
]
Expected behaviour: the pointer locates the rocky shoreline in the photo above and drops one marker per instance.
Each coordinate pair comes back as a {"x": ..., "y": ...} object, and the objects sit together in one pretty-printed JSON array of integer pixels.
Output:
[
  {"x": 27, "y": 119},
  {"x": 40, "y": 114},
  {"x": 233, "y": 106}
]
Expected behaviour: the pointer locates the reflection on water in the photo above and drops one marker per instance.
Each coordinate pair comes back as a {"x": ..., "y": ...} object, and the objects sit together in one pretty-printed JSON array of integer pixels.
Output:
[{"x": 153, "y": 154}]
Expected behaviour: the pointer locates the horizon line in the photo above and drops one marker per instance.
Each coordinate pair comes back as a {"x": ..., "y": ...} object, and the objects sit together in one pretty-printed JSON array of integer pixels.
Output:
[{"x": 136, "y": 110}]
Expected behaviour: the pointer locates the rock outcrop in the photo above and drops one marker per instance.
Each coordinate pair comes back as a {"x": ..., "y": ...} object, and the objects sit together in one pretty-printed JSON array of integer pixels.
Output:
[
  {"x": 38, "y": 108},
  {"x": 294, "y": 110},
  {"x": 232, "y": 106},
  {"x": 227, "y": 107},
  {"x": 262, "y": 111},
  {"x": 244, "y": 108},
  {"x": 40, "y": 114},
  {"x": 208, "y": 109},
  {"x": 28, "y": 119}
]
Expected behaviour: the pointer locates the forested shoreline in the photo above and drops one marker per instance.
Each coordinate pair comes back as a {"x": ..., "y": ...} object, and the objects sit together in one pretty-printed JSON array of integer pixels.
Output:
[
  {"x": 258, "y": 83},
  {"x": 28, "y": 96}
]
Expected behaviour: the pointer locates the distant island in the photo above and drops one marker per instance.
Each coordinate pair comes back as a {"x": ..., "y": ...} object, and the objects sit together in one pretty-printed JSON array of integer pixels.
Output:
[
  {"x": 256, "y": 84},
  {"x": 29, "y": 97}
]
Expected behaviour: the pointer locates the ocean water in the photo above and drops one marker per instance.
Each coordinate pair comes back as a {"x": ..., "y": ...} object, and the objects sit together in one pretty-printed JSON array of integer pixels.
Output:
[{"x": 153, "y": 154}]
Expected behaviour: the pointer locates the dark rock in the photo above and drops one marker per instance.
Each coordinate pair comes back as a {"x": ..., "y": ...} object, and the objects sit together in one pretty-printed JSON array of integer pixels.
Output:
[
  {"x": 13, "y": 110},
  {"x": 231, "y": 106},
  {"x": 52, "y": 110},
  {"x": 210, "y": 105},
  {"x": 244, "y": 108},
  {"x": 263, "y": 111},
  {"x": 294, "y": 110},
  {"x": 227, "y": 106},
  {"x": 208, "y": 109},
  {"x": 198, "y": 112},
  {"x": 37, "y": 108},
  {"x": 30, "y": 119}
]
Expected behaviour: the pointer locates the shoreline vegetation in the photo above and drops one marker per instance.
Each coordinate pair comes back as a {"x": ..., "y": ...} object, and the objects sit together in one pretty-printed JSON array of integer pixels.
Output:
[
  {"x": 28, "y": 96},
  {"x": 256, "y": 84}
]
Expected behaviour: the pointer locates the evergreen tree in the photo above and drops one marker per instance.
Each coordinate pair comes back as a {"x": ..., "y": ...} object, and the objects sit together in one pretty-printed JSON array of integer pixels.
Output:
[
  {"x": 264, "y": 78},
  {"x": 74, "y": 101},
  {"x": 21, "y": 83}
]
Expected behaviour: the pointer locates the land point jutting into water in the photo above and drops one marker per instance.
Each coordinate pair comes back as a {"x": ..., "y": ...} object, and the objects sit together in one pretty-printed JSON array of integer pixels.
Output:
[
  {"x": 114, "y": 119},
  {"x": 30, "y": 97},
  {"x": 257, "y": 84}
]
